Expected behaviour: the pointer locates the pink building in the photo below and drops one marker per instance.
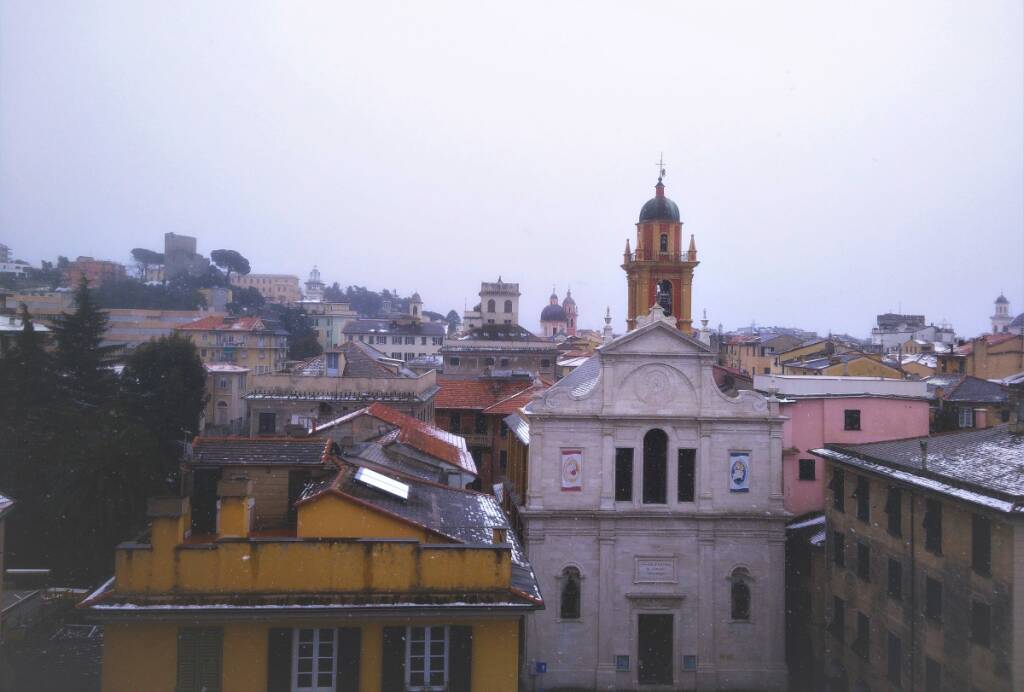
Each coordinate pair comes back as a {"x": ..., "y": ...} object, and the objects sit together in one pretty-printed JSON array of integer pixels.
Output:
[{"x": 844, "y": 410}]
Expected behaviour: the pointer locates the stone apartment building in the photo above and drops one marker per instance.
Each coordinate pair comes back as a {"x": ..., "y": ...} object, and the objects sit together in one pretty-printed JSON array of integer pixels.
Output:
[
  {"x": 756, "y": 354},
  {"x": 275, "y": 288},
  {"x": 990, "y": 357},
  {"x": 924, "y": 576},
  {"x": 403, "y": 337},
  {"x": 96, "y": 272}
]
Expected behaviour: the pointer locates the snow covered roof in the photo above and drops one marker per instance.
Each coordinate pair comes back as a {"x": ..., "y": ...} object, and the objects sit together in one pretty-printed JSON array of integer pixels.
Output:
[
  {"x": 5, "y": 504},
  {"x": 14, "y": 324},
  {"x": 224, "y": 367},
  {"x": 984, "y": 467}
]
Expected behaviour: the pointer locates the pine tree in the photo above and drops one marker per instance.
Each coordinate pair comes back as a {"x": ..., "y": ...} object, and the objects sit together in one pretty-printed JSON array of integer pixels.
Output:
[{"x": 81, "y": 361}]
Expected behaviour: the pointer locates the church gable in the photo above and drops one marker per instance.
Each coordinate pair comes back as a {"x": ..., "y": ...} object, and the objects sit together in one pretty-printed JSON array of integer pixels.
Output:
[{"x": 658, "y": 337}]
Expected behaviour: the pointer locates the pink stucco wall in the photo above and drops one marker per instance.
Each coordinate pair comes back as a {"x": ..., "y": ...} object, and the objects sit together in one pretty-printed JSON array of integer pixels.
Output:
[{"x": 814, "y": 422}]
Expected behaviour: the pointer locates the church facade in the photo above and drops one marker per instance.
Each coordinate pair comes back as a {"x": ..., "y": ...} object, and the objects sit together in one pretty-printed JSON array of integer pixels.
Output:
[{"x": 654, "y": 519}]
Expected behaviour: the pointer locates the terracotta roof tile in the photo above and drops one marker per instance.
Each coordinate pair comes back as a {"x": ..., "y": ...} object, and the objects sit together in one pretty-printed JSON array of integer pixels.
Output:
[{"x": 477, "y": 394}]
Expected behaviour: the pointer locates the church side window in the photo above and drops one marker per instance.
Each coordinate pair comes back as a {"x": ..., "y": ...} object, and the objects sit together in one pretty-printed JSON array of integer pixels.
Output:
[
  {"x": 740, "y": 594},
  {"x": 569, "y": 608},
  {"x": 490, "y": 305},
  {"x": 664, "y": 242},
  {"x": 686, "y": 475},
  {"x": 624, "y": 474},
  {"x": 655, "y": 467}
]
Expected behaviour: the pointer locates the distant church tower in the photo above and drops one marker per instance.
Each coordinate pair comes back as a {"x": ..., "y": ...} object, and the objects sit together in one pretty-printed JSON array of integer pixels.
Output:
[
  {"x": 1001, "y": 320},
  {"x": 314, "y": 286},
  {"x": 660, "y": 270},
  {"x": 569, "y": 305}
]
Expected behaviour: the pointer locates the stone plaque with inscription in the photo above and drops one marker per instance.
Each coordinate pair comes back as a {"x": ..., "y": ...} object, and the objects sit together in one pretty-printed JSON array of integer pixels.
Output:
[{"x": 656, "y": 570}]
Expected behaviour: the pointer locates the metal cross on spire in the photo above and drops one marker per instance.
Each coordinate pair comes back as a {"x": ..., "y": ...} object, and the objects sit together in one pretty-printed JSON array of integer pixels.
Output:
[{"x": 661, "y": 166}]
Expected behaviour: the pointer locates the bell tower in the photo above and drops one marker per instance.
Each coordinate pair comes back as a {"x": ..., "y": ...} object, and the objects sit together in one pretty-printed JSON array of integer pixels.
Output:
[{"x": 658, "y": 269}]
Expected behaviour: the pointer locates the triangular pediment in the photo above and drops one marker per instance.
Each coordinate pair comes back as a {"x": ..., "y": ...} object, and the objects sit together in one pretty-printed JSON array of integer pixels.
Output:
[{"x": 657, "y": 337}]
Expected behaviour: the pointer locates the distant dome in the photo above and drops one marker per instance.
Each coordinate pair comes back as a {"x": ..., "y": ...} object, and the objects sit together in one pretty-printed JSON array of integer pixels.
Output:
[
  {"x": 568, "y": 299},
  {"x": 553, "y": 313},
  {"x": 416, "y": 298},
  {"x": 1001, "y": 300},
  {"x": 659, "y": 207},
  {"x": 1018, "y": 322}
]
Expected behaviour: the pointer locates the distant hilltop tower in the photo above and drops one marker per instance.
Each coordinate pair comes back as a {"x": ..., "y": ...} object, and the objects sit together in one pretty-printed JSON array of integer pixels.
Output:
[
  {"x": 314, "y": 286},
  {"x": 1002, "y": 317},
  {"x": 659, "y": 271}
]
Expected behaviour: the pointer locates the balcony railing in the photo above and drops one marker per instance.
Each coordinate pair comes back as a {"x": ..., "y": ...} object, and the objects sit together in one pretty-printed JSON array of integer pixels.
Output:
[{"x": 654, "y": 256}]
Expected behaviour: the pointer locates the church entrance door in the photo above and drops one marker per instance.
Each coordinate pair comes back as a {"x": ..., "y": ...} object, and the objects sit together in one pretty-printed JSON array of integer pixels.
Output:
[{"x": 655, "y": 649}]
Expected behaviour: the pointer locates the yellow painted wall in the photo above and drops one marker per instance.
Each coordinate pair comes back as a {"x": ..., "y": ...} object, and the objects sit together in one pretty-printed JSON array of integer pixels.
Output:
[
  {"x": 141, "y": 656},
  {"x": 332, "y": 516}
]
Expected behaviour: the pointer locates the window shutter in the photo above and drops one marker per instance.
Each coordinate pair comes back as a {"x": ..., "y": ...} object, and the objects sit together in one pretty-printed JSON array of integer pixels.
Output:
[
  {"x": 392, "y": 674},
  {"x": 187, "y": 674},
  {"x": 350, "y": 641},
  {"x": 279, "y": 659},
  {"x": 210, "y": 658},
  {"x": 460, "y": 658}
]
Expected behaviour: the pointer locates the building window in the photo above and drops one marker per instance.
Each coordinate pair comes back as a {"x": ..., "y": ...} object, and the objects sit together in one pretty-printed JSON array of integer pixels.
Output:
[
  {"x": 863, "y": 561},
  {"x": 932, "y": 675},
  {"x": 655, "y": 467},
  {"x": 480, "y": 424},
  {"x": 686, "y": 475},
  {"x": 933, "y": 526},
  {"x": 839, "y": 549},
  {"x": 863, "y": 495},
  {"x": 267, "y": 424},
  {"x": 508, "y": 306},
  {"x": 740, "y": 594},
  {"x": 382, "y": 339},
  {"x": 838, "y": 488},
  {"x": 503, "y": 430},
  {"x": 410, "y": 341},
  {"x": 545, "y": 362},
  {"x": 314, "y": 652},
  {"x": 490, "y": 305},
  {"x": 933, "y": 599},
  {"x": 981, "y": 624},
  {"x": 966, "y": 417},
  {"x": 569, "y": 608},
  {"x": 663, "y": 246},
  {"x": 851, "y": 419},
  {"x": 426, "y": 658},
  {"x": 397, "y": 355},
  {"x": 488, "y": 361},
  {"x": 895, "y": 660},
  {"x": 862, "y": 644},
  {"x": 838, "y": 625},
  {"x": 981, "y": 545},
  {"x": 408, "y": 356},
  {"x": 806, "y": 470},
  {"x": 503, "y": 362},
  {"x": 894, "y": 510},
  {"x": 437, "y": 340},
  {"x": 895, "y": 580},
  {"x": 396, "y": 340},
  {"x": 200, "y": 656},
  {"x": 624, "y": 474},
  {"x": 455, "y": 422},
  {"x": 423, "y": 340},
  {"x": 453, "y": 361}
]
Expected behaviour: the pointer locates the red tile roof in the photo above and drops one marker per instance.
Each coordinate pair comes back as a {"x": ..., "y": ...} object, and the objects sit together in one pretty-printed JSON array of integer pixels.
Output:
[
  {"x": 477, "y": 394},
  {"x": 517, "y": 401}
]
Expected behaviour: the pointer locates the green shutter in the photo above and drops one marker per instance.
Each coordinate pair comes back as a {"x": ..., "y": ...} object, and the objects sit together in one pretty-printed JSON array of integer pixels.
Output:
[
  {"x": 349, "y": 654},
  {"x": 460, "y": 658},
  {"x": 392, "y": 674},
  {"x": 279, "y": 659},
  {"x": 200, "y": 654}
]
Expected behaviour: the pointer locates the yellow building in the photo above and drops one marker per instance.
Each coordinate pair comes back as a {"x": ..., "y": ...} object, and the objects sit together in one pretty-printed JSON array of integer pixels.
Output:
[
  {"x": 990, "y": 357},
  {"x": 275, "y": 288},
  {"x": 251, "y": 342},
  {"x": 373, "y": 581},
  {"x": 845, "y": 364}
]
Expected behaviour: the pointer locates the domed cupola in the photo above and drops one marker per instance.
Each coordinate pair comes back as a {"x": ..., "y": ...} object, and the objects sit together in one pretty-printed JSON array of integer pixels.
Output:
[{"x": 659, "y": 207}]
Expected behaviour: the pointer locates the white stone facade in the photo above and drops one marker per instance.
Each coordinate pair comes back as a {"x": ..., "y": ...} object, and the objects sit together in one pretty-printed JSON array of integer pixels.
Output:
[{"x": 677, "y": 558}]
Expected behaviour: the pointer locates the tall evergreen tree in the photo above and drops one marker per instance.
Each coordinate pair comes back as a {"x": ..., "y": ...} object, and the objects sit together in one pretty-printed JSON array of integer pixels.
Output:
[{"x": 81, "y": 361}]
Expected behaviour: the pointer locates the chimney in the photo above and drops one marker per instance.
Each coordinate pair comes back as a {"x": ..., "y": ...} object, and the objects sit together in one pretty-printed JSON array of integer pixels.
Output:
[
  {"x": 924, "y": 455},
  {"x": 234, "y": 508},
  {"x": 499, "y": 535},
  {"x": 171, "y": 519}
]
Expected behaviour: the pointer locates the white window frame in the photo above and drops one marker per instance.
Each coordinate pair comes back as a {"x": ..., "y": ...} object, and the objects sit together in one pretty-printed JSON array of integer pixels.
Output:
[
  {"x": 316, "y": 658},
  {"x": 966, "y": 417},
  {"x": 427, "y": 640}
]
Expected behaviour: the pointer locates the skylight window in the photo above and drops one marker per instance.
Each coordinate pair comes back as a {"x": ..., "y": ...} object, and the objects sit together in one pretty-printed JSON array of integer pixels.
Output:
[{"x": 382, "y": 483}]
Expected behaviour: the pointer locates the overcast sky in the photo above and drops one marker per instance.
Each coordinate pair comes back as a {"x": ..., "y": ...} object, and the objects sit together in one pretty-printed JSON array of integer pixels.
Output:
[{"x": 833, "y": 160}]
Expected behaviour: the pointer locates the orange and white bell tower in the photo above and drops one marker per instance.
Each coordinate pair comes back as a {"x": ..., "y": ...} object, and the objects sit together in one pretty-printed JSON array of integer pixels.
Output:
[{"x": 659, "y": 271}]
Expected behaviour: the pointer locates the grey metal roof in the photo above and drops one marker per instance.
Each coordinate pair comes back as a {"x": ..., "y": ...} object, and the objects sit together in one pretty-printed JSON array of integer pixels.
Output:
[
  {"x": 499, "y": 332},
  {"x": 519, "y": 426},
  {"x": 969, "y": 464},
  {"x": 393, "y": 328},
  {"x": 243, "y": 451},
  {"x": 582, "y": 380}
]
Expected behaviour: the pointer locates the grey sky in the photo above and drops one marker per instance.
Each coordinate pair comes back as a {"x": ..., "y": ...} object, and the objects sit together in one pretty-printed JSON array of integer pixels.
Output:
[{"x": 833, "y": 160}]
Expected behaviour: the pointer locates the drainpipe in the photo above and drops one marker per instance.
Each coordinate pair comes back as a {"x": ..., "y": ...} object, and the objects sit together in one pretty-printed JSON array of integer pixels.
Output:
[{"x": 913, "y": 589}]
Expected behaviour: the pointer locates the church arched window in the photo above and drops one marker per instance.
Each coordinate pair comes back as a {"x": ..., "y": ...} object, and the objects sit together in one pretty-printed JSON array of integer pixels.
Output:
[
  {"x": 569, "y": 608},
  {"x": 664, "y": 242},
  {"x": 490, "y": 305},
  {"x": 655, "y": 467},
  {"x": 740, "y": 593},
  {"x": 508, "y": 306},
  {"x": 664, "y": 296}
]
